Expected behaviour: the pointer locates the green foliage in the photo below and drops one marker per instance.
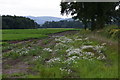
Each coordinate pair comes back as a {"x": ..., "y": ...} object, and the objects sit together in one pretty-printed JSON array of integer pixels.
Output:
[
  {"x": 13, "y": 75},
  {"x": 62, "y": 24},
  {"x": 97, "y": 14},
  {"x": 13, "y": 55},
  {"x": 17, "y": 22},
  {"x": 46, "y": 42},
  {"x": 35, "y": 31},
  {"x": 7, "y": 37},
  {"x": 3, "y": 43},
  {"x": 50, "y": 72},
  {"x": 95, "y": 69},
  {"x": 54, "y": 62},
  {"x": 112, "y": 32},
  {"x": 22, "y": 34}
]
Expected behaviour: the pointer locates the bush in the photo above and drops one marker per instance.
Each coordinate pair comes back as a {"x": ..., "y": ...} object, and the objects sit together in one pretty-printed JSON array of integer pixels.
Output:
[{"x": 112, "y": 32}]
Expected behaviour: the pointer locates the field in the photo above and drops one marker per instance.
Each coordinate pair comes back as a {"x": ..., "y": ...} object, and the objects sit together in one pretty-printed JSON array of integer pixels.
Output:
[
  {"x": 22, "y": 34},
  {"x": 58, "y": 53}
]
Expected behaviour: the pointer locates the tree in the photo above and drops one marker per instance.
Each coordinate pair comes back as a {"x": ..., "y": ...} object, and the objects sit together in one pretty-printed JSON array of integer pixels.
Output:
[
  {"x": 62, "y": 24},
  {"x": 96, "y": 13},
  {"x": 17, "y": 22}
]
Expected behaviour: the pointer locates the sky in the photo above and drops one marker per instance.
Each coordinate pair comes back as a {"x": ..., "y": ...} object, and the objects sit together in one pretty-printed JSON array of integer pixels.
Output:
[{"x": 31, "y": 8}]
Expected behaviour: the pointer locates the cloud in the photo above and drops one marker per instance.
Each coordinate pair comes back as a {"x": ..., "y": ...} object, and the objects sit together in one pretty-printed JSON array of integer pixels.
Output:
[{"x": 30, "y": 7}]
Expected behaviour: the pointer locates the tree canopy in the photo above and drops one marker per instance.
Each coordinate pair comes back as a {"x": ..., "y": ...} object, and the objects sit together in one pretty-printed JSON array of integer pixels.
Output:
[
  {"x": 63, "y": 24},
  {"x": 96, "y": 13},
  {"x": 17, "y": 22}
]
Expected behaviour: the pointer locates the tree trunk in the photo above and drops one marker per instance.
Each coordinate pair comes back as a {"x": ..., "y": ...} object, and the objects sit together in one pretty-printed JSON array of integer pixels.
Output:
[
  {"x": 93, "y": 25},
  {"x": 85, "y": 27},
  {"x": 100, "y": 22}
]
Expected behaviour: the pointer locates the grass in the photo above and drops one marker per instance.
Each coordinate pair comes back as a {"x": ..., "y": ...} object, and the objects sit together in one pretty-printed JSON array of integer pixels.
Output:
[
  {"x": 48, "y": 60},
  {"x": 112, "y": 32},
  {"x": 9, "y": 37},
  {"x": 35, "y": 31},
  {"x": 93, "y": 69},
  {"x": 22, "y": 34}
]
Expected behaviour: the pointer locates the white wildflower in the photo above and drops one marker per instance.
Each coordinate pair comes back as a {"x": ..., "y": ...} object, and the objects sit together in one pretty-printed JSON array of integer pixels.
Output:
[
  {"x": 99, "y": 57},
  {"x": 89, "y": 53},
  {"x": 72, "y": 51},
  {"x": 47, "y": 49},
  {"x": 53, "y": 60},
  {"x": 60, "y": 45},
  {"x": 86, "y": 38},
  {"x": 87, "y": 46},
  {"x": 67, "y": 70},
  {"x": 98, "y": 47},
  {"x": 103, "y": 44},
  {"x": 37, "y": 57},
  {"x": 64, "y": 39}
]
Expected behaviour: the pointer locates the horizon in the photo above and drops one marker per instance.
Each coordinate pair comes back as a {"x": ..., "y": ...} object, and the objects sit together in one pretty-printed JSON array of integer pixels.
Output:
[
  {"x": 39, "y": 16},
  {"x": 48, "y": 16}
]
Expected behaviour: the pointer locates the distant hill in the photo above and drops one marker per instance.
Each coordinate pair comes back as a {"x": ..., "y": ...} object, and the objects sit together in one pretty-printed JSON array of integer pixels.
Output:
[
  {"x": 69, "y": 19},
  {"x": 43, "y": 19}
]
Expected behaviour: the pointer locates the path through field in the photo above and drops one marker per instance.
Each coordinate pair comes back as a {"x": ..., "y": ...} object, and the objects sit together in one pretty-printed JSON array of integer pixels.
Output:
[{"x": 61, "y": 55}]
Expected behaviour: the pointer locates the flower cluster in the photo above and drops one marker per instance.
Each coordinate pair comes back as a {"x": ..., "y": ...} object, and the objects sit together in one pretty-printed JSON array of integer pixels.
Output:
[
  {"x": 64, "y": 39},
  {"x": 72, "y": 51},
  {"x": 53, "y": 60},
  {"x": 78, "y": 39},
  {"x": 22, "y": 51},
  {"x": 101, "y": 57},
  {"x": 80, "y": 54},
  {"x": 48, "y": 49},
  {"x": 66, "y": 70},
  {"x": 87, "y": 46},
  {"x": 37, "y": 57},
  {"x": 60, "y": 45},
  {"x": 71, "y": 59}
]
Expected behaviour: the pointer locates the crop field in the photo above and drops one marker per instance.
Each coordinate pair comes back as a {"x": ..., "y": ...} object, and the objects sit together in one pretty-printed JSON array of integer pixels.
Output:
[
  {"x": 22, "y": 34},
  {"x": 71, "y": 53}
]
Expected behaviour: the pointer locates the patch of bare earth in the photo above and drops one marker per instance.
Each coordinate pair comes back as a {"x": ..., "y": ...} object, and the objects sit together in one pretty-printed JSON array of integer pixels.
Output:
[{"x": 17, "y": 66}]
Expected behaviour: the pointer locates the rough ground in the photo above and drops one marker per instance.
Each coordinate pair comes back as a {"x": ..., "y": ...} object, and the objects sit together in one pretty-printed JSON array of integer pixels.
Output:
[
  {"x": 21, "y": 66},
  {"x": 11, "y": 66}
]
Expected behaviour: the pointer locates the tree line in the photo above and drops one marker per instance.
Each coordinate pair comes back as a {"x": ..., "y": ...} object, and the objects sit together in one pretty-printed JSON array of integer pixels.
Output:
[
  {"x": 97, "y": 13},
  {"x": 17, "y": 22},
  {"x": 62, "y": 24}
]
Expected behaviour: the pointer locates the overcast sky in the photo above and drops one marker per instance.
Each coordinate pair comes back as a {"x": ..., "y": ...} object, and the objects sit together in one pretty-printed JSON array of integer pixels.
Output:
[{"x": 31, "y": 8}]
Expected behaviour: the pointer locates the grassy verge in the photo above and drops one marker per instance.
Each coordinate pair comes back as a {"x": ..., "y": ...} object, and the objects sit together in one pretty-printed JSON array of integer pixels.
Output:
[{"x": 112, "y": 32}]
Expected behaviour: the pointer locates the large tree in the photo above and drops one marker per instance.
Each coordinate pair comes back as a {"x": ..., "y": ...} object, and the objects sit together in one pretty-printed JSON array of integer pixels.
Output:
[{"x": 96, "y": 13}]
